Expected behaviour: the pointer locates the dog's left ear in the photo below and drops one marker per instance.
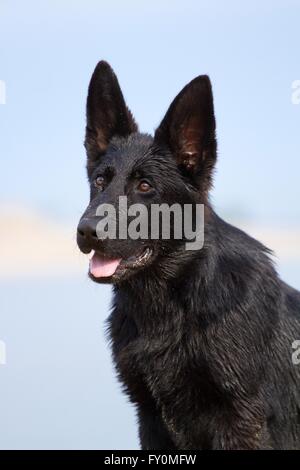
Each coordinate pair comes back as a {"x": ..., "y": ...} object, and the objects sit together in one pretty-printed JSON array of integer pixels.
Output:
[
  {"x": 188, "y": 130},
  {"x": 106, "y": 112}
]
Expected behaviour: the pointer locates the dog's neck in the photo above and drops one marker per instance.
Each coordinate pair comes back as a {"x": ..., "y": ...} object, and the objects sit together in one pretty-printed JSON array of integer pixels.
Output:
[{"x": 168, "y": 281}]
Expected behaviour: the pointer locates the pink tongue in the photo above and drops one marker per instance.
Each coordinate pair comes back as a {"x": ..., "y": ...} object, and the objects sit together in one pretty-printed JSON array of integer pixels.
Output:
[{"x": 101, "y": 267}]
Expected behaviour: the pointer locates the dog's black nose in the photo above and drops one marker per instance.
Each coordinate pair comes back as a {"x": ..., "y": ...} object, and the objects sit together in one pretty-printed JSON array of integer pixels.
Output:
[{"x": 87, "y": 234}]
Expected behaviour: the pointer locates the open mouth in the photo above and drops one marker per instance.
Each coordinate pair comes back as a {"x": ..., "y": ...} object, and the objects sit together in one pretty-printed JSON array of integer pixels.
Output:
[{"x": 103, "y": 268}]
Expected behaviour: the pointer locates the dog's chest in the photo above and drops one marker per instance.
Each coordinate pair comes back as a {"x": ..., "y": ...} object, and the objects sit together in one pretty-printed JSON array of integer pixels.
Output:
[
  {"x": 147, "y": 361},
  {"x": 145, "y": 367},
  {"x": 154, "y": 363},
  {"x": 160, "y": 371}
]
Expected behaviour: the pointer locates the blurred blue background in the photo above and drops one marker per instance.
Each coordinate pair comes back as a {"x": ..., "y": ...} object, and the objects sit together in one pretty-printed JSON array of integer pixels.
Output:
[{"x": 57, "y": 389}]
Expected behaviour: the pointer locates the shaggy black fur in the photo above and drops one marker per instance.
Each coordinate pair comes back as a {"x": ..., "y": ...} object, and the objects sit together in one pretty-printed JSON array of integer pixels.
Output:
[{"x": 201, "y": 340}]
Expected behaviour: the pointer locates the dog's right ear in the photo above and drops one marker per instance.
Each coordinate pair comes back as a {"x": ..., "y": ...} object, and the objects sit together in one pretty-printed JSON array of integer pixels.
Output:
[
  {"x": 106, "y": 112},
  {"x": 188, "y": 131}
]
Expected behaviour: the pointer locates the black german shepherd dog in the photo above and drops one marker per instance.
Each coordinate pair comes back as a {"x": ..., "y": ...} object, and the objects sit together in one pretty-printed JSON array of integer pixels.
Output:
[{"x": 201, "y": 339}]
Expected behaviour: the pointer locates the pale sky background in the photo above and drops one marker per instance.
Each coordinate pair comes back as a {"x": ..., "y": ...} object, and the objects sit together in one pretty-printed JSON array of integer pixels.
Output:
[
  {"x": 57, "y": 389},
  {"x": 250, "y": 50}
]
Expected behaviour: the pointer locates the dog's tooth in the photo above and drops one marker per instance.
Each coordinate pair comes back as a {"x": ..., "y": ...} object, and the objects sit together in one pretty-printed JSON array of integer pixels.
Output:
[{"x": 91, "y": 254}]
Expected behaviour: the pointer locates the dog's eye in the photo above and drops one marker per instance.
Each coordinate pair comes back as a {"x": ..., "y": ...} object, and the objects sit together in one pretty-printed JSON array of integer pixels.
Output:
[
  {"x": 99, "y": 182},
  {"x": 144, "y": 186}
]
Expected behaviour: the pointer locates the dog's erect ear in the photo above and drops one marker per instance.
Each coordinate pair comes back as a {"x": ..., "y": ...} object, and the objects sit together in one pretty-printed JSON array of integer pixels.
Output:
[
  {"x": 107, "y": 113},
  {"x": 188, "y": 129}
]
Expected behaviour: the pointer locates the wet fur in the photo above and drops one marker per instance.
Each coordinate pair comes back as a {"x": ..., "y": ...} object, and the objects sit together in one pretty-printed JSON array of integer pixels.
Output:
[{"x": 201, "y": 340}]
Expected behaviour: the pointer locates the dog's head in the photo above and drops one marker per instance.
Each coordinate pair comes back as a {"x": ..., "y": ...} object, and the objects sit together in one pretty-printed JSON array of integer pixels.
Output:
[{"x": 128, "y": 169}]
